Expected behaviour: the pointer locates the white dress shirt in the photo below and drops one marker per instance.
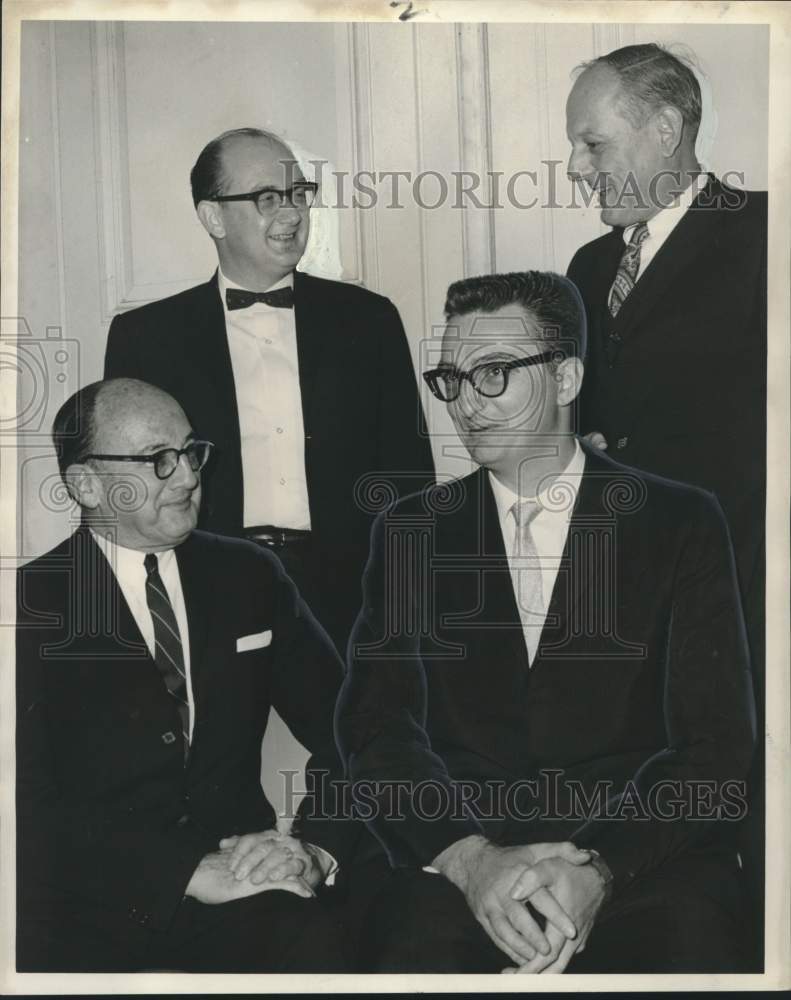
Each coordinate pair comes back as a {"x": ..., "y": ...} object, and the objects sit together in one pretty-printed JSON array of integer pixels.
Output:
[
  {"x": 664, "y": 222},
  {"x": 549, "y": 529},
  {"x": 263, "y": 344},
  {"x": 127, "y": 564}
]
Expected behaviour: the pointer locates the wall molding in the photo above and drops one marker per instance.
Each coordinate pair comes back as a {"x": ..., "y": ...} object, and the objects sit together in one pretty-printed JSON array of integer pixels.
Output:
[
  {"x": 475, "y": 142},
  {"x": 118, "y": 289},
  {"x": 356, "y": 50}
]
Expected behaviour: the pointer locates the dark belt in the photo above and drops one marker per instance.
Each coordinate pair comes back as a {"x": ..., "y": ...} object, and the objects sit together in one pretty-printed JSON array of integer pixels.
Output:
[{"x": 276, "y": 538}]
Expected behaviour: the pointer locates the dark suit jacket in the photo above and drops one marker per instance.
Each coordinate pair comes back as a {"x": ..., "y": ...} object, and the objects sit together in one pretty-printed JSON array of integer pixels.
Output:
[
  {"x": 642, "y": 673},
  {"x": 360, "y": 406},
  {"x": 111, "y": 825},
  {"x": 677, "y": 381}
]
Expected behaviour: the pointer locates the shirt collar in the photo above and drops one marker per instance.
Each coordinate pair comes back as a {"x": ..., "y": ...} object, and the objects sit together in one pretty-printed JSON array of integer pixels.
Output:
[
  {"x": 225, "y": 282},
  {"x": 663, "y": 223},
  {"x": 129, "y": 561},
  {"x": 570, "y": 477}
]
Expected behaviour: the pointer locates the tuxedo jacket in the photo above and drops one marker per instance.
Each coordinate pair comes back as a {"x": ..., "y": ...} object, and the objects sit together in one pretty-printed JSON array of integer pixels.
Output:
[
  {"x": 677, "y": 381},
  {"x": 361, "y": 412},
  {"x": 111, "y": 823},
  {"x": 641, "y": 678}
]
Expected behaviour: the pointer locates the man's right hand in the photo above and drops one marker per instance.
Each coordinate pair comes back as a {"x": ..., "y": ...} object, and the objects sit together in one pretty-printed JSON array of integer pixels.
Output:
[
  {"x": 214, "y": 882},
  {"x": 486, "y": 874}
]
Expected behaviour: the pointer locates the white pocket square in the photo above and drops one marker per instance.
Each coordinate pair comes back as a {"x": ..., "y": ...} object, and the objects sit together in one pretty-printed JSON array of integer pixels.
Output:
[{"x": 255, "y": 641}]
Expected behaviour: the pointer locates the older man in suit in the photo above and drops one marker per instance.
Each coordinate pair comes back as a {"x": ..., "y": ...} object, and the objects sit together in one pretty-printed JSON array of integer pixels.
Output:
[
  {"x": 676, "y": 302},
  {"x": 549, "y": 699},
  {"x": 305, "y": 385},
  {"x": 148, "y": 656},
  {"x": 675, "y": 295}
]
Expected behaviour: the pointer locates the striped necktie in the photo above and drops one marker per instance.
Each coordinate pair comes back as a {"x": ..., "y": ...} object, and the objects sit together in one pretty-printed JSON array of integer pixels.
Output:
[
  {"x": 626, "y": 275},
  {"x": 526, "y": 572},
  {"x": 168, "y": 651}
]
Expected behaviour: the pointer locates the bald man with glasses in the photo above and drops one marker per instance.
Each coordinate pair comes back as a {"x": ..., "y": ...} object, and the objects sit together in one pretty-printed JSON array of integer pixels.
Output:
[{"x": 148, "y": 656}]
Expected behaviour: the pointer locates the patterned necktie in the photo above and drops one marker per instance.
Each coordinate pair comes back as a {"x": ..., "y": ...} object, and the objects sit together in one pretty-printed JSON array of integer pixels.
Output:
[
  {"x": 280, "y": 298},
  {"x": 526, "y": 568},
  {"x": 627, "y": 269},
  {"x": 168, "y": 651}
]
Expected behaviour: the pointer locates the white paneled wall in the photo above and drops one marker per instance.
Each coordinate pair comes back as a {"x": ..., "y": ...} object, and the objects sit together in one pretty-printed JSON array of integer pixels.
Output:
[{"x": 113, "y": 115}]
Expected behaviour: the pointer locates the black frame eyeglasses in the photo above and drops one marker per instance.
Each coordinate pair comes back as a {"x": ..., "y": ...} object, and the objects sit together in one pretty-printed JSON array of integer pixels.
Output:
[
  {"x": 167, "y": 460},
  {"x": 482, "y": 377},
  {"x": 270, "y": 199}
]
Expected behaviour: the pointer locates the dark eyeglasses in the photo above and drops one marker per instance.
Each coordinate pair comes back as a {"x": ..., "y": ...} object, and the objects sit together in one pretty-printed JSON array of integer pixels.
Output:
[
  {"x": 490, "y": 379},
  {"x": 166, "y": 462},
  {"x": 268, "y": 199}
]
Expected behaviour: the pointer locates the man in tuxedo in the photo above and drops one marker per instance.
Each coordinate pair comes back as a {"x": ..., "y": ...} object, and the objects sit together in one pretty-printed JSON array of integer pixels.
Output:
[
  {"x": 148, "y": 656},
  {"x": 675, "y": 297},
  {"x": 548, "y": 709},
  {"x": 305, "y": 385}
]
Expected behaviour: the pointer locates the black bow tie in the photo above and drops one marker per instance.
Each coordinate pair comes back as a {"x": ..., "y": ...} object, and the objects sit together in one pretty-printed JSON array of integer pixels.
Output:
[{"x": 280, "y": 298}]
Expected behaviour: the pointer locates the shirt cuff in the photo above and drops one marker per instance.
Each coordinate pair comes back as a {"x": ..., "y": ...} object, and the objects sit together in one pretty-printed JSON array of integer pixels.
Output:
[{"x": 328, "y": 864}]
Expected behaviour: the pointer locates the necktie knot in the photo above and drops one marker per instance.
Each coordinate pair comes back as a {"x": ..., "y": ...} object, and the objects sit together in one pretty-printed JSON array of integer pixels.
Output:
[
  {"x": 524, "y": 512},
  {"x": 626, "y": 276},
  {"x": 240, "y": 298},
  {"x": 639, "y": 235},
  {"x": 151, "y": 563}
]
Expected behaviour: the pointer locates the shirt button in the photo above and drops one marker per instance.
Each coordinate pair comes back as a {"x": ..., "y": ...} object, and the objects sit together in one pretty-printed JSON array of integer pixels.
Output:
[
  {"x": 280, "y": 430},
  {"x": 282, "y": 481},
  {"x": 622, "y": 442},
  {"x": 267, "y": 340}
]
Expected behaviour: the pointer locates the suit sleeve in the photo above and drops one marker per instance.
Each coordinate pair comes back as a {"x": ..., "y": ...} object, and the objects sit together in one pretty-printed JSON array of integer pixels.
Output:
[
  {"x": 306, "y": 679},
  {"x": 111, "y": 857},
  {"x": 676, "y": 796},
  {"x": 404, "y": 444},
  {"x": 401, "y": 787}
]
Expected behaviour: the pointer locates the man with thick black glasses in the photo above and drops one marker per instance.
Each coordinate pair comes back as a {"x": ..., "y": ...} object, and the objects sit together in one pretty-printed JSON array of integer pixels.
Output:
[
  {"x": 305, "y": 385},
  {"x": 548, "y": 708},
  {"x": 148, "y": 656}
]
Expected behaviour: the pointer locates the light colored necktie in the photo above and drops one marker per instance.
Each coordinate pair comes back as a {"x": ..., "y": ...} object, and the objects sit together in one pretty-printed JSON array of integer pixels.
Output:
[
  {"x": 526, "y": 571},
  {"x": 626, "y": 275}
]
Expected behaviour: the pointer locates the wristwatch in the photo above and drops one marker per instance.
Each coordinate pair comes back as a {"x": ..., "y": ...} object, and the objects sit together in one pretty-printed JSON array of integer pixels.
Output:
[{"x": 601, "y": 866}]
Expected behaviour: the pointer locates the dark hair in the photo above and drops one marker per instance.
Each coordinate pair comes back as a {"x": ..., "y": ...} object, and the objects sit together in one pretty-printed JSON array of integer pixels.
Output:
[
  {"x": 206, "y": 177},
  {"x": 73, "y": 426},
  {"x": 652, "y": 77},
  {"x": 552, "y": 299}
]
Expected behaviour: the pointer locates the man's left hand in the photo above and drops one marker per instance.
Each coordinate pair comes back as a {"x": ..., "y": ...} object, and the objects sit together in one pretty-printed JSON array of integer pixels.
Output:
[
  {"x": 579, "y": 890},
  {"x": 271, "y": 856}
]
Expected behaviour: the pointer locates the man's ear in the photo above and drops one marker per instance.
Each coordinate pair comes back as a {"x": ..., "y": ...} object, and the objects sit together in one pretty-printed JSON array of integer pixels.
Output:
[
  {"x": 84, "y": 485},
  {"x": 569, "y": 378},
  {"x": 669, "y": 124},
  {"x": 211, "y": 219}
]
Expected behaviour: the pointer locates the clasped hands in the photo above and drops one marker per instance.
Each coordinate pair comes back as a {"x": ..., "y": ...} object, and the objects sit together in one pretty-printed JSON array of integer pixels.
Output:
[
  {"x": 555, "y": 878},
  {"x": 253, "y": 863}
]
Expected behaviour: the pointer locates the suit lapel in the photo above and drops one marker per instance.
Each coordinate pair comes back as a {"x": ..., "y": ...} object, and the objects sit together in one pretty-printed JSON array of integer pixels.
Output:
[
  {"x": 311, "y": 322},
  {"x": 209, "y": 338},
  {"x": 573, "y": 583},
  {"x": 199, "y": 600},
  {"x": 102, "y": 617},
  {"x": 691, "y": 238},
  {"x": 481, "y": 593}
]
